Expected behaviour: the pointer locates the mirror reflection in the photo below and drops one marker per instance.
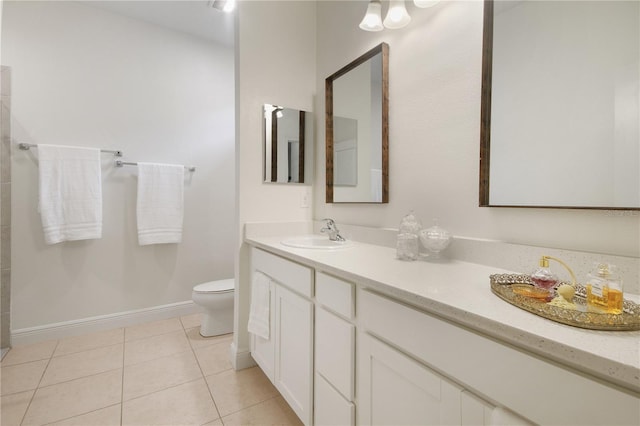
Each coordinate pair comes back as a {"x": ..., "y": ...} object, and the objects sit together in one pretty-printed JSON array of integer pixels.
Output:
[
  {"x": 357, "y": 130},
  {"x": 560, "y": 104},
  {"x": 288, "y": 148}
]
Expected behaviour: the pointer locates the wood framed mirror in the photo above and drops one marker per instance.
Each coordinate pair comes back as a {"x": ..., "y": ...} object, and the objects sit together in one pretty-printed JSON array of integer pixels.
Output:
[
  {"x": 560, "y": 94},
  {"x": 357, "y": 130},
  {"x": 287, "y": 145}
]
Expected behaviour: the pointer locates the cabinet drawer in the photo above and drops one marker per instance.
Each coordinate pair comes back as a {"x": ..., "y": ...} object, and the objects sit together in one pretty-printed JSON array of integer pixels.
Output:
[
  {"x": 335, "y": 351},
  {"x": 335, "y": 294},
  {"x": 297, "y": 277},
  {"x": 330, "y": 407},
  {"x": 495, "y": 370},
  {"x": 394, "y": 389}
]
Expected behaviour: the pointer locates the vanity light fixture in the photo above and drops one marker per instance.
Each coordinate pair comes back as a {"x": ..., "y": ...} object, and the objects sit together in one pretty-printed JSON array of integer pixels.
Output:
[
  {"x": 425, "y": 3},
  {"x": 397, "y": 15},
  {"x": 372, "y": 20},
  {"x": 223, "y": 5}
]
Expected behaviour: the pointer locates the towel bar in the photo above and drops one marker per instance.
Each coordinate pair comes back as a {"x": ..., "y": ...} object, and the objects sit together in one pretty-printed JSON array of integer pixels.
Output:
[
  {"x": 120, "y": 163},
  {"x": 27, "y": 146}
]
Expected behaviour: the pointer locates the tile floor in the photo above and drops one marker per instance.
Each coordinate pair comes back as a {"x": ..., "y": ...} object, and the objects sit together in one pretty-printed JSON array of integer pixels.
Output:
[{"x": 159, "y": 373}]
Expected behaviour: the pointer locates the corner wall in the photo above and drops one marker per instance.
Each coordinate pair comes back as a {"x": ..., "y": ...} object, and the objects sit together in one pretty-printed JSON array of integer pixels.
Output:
[
  {"x": 275, "y": 64},
  {"x": 434, "y": 140},
  {"x": 5, "y": 203},
  {"x": 82, "y": 76}
]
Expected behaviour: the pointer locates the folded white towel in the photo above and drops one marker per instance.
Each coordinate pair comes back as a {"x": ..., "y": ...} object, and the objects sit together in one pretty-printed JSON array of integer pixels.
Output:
[
  {"x": 260, "y": 308},
  {"x": 160, "y": 208},
  {"x": 70, "y": 193}
]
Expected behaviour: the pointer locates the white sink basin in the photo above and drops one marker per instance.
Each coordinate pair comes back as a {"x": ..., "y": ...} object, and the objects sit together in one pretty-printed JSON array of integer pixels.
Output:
[{"x": 317, "y": 242}]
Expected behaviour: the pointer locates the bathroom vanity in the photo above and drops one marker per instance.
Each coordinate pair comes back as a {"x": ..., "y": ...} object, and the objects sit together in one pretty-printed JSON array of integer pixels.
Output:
[{"x": 358, "y": 337}]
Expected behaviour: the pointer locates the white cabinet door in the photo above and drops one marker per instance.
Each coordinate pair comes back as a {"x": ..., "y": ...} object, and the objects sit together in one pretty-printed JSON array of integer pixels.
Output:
[
  {"x": 394, "y": 389},
  {"x": 335, "y": 351},
  {"x": 264, "y": 351},
  {"x": 331, "y": 409},
  {"x": 475, "y": 411},
  {"x": 294, "y": 351}
]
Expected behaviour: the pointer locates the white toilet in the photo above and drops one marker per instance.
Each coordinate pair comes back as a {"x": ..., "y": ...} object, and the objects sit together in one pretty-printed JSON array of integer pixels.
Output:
[{"x": 216, "y": 297}]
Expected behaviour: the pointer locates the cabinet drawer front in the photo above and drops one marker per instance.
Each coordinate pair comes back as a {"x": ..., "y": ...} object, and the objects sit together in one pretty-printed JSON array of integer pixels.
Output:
[
  {"x": 335, "y": 351},
  {"x": 297, "y": 277},
  {"x": 496, "y": 370},
  {"x": 330, "y": 407},
  {"x": 395, "y": 389},
  {"x": 335, "y": 294}
]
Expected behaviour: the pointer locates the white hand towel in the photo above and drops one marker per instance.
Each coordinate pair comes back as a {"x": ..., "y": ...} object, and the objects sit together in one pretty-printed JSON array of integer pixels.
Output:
[
  {"x": 260, "y": 308},
  {"x": 70, "y": 193},
  {"x": 160, "y": 206}
]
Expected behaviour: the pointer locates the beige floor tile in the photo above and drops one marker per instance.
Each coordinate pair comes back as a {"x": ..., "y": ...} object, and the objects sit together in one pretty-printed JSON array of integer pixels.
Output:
[
  {"x": 197, "y": 341},
  {"x": 213, "y": 359},
  {"x": 274, "y": 411},
  {"x": 142, "y": 350},
  {"x": 216, "y": 422},
  {"x": 21, "y": 377},
  {"x": 161, "y": 373},
  {"x": 69, "y": 399},
  {"x": 90, "y": 341},
  {"x": 109, "y": 416},
  {"x": 82, "y": 364},
  {"x": 191, "y": 321},
  {"x": 186, "y": 404},
  {"x": 28, "y": 353},
  {"x": 234, "y": 390},
  {"x": 152, "y": 329},
  {"x": 13, "y": 408}
]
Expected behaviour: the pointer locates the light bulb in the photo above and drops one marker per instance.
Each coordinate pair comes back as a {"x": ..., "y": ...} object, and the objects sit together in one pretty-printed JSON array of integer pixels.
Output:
[
  {"x": 372, "y": 20},
  {"x": 397, "y": 15},
  {"x": 425, "y": 3},
  {"x": 229, "y": 6}
]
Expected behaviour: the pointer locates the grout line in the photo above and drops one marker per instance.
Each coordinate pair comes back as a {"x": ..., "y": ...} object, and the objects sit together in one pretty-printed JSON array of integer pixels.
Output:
[
  {"x": 39, "y": 381},
  {"x": 193, "y": 350},
  {"x": 88, "y": 350},
  {"x": 92, "y": 348},
  {"x": 163, "y": 389},
  {"x": 81, "y": 414},
  {"x": 259, "y": 403},
  {"x": 124, "y": 344},
  {"x": 77, "y": 378}
]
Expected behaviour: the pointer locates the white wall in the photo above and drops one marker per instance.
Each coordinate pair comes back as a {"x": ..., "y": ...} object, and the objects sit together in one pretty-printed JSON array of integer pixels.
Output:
[
  {"x": 434, "y": 93},
  {"x": 275, "y": 64},
  {"x": 87, "y": 77}
]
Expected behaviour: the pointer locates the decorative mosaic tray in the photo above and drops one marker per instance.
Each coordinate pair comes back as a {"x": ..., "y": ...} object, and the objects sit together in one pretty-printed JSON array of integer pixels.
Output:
[{"x": 629, "y": 319}]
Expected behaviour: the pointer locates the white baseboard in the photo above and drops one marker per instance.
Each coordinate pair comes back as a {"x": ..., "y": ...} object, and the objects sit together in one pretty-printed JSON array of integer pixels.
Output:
[
  {"x": 60, "y": 330},
  {"x": 240, "y": 360}
]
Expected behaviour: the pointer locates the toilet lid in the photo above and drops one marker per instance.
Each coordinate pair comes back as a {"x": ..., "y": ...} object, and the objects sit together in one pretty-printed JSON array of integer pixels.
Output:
[{"x": 220, "y": 286}]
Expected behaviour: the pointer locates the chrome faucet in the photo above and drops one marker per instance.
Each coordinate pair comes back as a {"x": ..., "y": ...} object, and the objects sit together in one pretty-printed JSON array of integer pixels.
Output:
[{"x": 332, "y": 230}]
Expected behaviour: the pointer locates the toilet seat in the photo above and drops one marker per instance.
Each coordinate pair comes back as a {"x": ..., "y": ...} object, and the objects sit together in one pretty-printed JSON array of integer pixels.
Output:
[{"x": 220, "y": 286}]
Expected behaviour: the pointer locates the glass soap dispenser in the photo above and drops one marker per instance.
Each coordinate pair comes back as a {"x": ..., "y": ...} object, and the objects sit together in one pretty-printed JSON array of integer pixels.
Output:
[
  {"x": 604, "y": 289},
  {"x": 407, "y": 244}
]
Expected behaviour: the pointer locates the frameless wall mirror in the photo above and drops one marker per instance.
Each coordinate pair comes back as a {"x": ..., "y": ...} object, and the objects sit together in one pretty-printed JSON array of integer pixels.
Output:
[
  {"x": 357, "y": 130},
  {"x": 288, "y": 145},
  {"x": 560, "y": 95}
]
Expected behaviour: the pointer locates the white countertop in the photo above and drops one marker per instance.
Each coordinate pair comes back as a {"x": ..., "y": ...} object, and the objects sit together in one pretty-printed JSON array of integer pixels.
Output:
[{"x": 460, "y": 292}]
